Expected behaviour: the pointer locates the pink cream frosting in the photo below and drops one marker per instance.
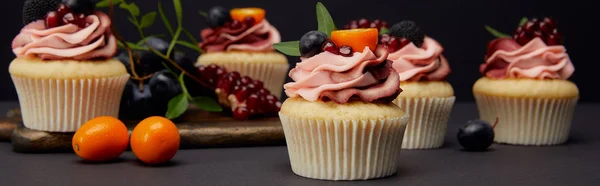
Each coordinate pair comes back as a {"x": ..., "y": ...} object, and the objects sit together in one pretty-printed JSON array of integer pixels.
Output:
[
  {"x": 67, "y": 41},
  {"x": 535, "y": 60},
  {"x": 421, "y": 64},
  {"x": 259, "y": 37},
  {"x": 326, "y": 76}
]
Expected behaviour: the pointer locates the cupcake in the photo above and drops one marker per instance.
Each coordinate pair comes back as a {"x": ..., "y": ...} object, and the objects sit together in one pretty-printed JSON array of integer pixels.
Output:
[
  {"x": 427, "y": 97},
  {"x": 242, "y": 40},
  {"x": 525, "y": 86},
  {"x": 339, "y": 121},
  {"x": 63, "y": 72}
]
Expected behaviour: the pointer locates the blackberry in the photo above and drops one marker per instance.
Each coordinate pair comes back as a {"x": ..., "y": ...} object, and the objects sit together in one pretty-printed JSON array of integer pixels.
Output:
[
  {"x": 34, "y": 10},
  {"x": 408, "y": 30}
]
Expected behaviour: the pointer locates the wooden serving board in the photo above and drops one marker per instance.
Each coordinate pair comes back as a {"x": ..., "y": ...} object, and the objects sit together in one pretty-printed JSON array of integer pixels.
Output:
[{"x": 198, "y": 129}]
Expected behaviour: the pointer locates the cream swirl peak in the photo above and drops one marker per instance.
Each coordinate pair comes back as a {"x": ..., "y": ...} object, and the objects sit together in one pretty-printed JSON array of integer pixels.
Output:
[
  {"x": 259, "y": 37},
  {"x": 534, "y": 60},
  {"x": 67, "y": 41},
  {"x": 421, "y": 64},
  {"x": 327, "y": 76}
]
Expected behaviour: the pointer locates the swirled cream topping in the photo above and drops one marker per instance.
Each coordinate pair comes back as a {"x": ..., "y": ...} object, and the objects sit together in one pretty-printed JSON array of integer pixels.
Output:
[
  {"x": 259, "y": 37},
  {"x": 67, "y": 41},
  {"x": 421, "y": 64},
  {"x": 364, "y": 76},
  {"x": 535, "y": 60}
]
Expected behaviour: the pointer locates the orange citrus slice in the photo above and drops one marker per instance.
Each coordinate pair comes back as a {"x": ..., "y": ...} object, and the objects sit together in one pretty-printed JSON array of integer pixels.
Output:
[
  {"x": 240, "y": 14},
  {"x": 358, "y": 39}
]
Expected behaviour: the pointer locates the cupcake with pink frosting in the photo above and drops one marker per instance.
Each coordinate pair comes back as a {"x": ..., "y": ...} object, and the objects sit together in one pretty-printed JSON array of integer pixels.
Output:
[
  {"x": 526, "y": 86},
  {"x": 242, "y": 40},
  {"x": 427, "y": 97},
  {"x": 339, "y": 120},
  {"x": 64, "y": 72}
]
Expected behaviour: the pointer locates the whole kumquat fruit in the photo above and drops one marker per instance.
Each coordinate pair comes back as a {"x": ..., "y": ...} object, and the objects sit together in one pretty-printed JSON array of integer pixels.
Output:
[
  {"x": 155, "y": 140},
  {"x": 101, "y": 139},
  {"x": 357, "y": 39}
]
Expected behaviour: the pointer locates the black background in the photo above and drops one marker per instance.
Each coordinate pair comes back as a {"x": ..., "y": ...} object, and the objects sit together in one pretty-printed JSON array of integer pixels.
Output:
[{"x": 457, "y": 24}]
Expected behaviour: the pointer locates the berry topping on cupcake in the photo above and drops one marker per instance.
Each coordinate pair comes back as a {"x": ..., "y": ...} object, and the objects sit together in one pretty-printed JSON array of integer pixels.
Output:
[
  {"x": 238, "y": 29},
  {"x": 365, "y": 23},
  {"x": 534, "y": 51},
  {"x": 57, "y": 13},
  {"x": 342, "y": 42}
]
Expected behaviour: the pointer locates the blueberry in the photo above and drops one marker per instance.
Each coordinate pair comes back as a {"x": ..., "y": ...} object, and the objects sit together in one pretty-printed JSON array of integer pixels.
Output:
[
  {"x": 311, "y": 42},
  {"x": 217, "y": 16},
  {"x": 80, "y": 6},
  {"x": 476, "y": 135},
  {"x": 123, "y": 57},
  {"x": 184, "y": 62},
  {"x": 164, "y": 85},
  {"x": 138, "y": 104},
  {"x": 408, "y": 30},
  {"x": 150, "y": 62}
]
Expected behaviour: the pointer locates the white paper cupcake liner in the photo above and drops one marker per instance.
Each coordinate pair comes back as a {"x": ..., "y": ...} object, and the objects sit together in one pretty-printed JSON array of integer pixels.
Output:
[
  {"x": 528, "y": 121},
  {"x": 59, "y": 105},
  {"x": 272, "y": 75},
  {"x": 343, "y": 150},
  {"x": 428, "y": 121}
]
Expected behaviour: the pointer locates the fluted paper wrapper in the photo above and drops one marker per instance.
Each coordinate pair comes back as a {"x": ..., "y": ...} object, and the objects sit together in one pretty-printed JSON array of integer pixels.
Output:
[
  {"x": 427, "y": 122},
  {"x": 343, "y": 150},
  {"x": 60, "y": 105},
  {"x": 272, "y": 75},
  {"x": 528, "y": 121}
]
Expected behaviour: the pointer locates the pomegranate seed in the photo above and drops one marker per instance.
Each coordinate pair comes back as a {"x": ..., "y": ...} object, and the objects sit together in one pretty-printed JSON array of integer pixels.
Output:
[
  {"x": 530, "y": 26},
  {"x": 329, "y": 46},
  {"x": 249, "y": 21},
  {"x": 71, "y": 18},
  {"x": 258, "y": 84},
  {"x": 63, "y": 10},
  {"x": 345, "y": 51},
  {"x": 353, "y": 24},
  {"x": 393, "y": 44},
  {"x": 363, "y": 23},
  {"x": 375, "y": 24},
  {"x": 246, "y": 80},
  {"x": 552, "y": 40},
  {"x": 235, "y": 25},
  {"x": 52, "y": 20},
  {"x": 404, "y": 42},
  {"x": 549, "y": 22},
  {"x": 278, "y": 106},
  {"x": 523, "y": 38},
  {"x": 242, "y": 93},
  {"x": 271, "y": 98},
  {"x": 263, "y": 92},
  {"x": 253, "y": 101},
  {"x": 241, "y": 113},
  {"x": 235, "y": 75}
]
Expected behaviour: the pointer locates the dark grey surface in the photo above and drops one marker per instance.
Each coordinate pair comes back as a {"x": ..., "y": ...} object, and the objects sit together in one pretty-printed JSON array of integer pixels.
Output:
[{"x": 575, "y": 163}]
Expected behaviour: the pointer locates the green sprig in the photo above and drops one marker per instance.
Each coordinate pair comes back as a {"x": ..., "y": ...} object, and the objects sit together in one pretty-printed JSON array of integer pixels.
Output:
[
  {"x": 180, "y": 103},
  {"x": 495, "y": 32}
]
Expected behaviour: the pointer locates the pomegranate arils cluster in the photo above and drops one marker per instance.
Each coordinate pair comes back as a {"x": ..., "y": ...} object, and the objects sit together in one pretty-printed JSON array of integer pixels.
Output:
[
  {"x": 246, "y": 97},
  {"x": 545, "y": 29}
]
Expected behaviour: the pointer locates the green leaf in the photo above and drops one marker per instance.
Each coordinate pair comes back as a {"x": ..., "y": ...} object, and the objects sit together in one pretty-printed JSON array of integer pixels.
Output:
[
  {"x": 163, "y": 16},
  {"x": 190, "y": 36},
  {"x": 290, "y": 48},
  {"x": 131, "y": 7},
  {"x": 495, "y": 32},
  {"x": 384, "y": 30},
  {"x": 189, "y": 45},
  {"x": 177, "y": 106},
  {"x": 178, "y": 11},
  {"x": 325, "y": 22},
  {"x": 133, "y": 46},
  {"x": 148, "y": 20},
  {"x": 106, "y": 3},
  {"x": 133, "y": 21},
  {"x": 203, "y": 13},
  {"x": 207, "y": 104},
  {"x": 523, "y": 21}
]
